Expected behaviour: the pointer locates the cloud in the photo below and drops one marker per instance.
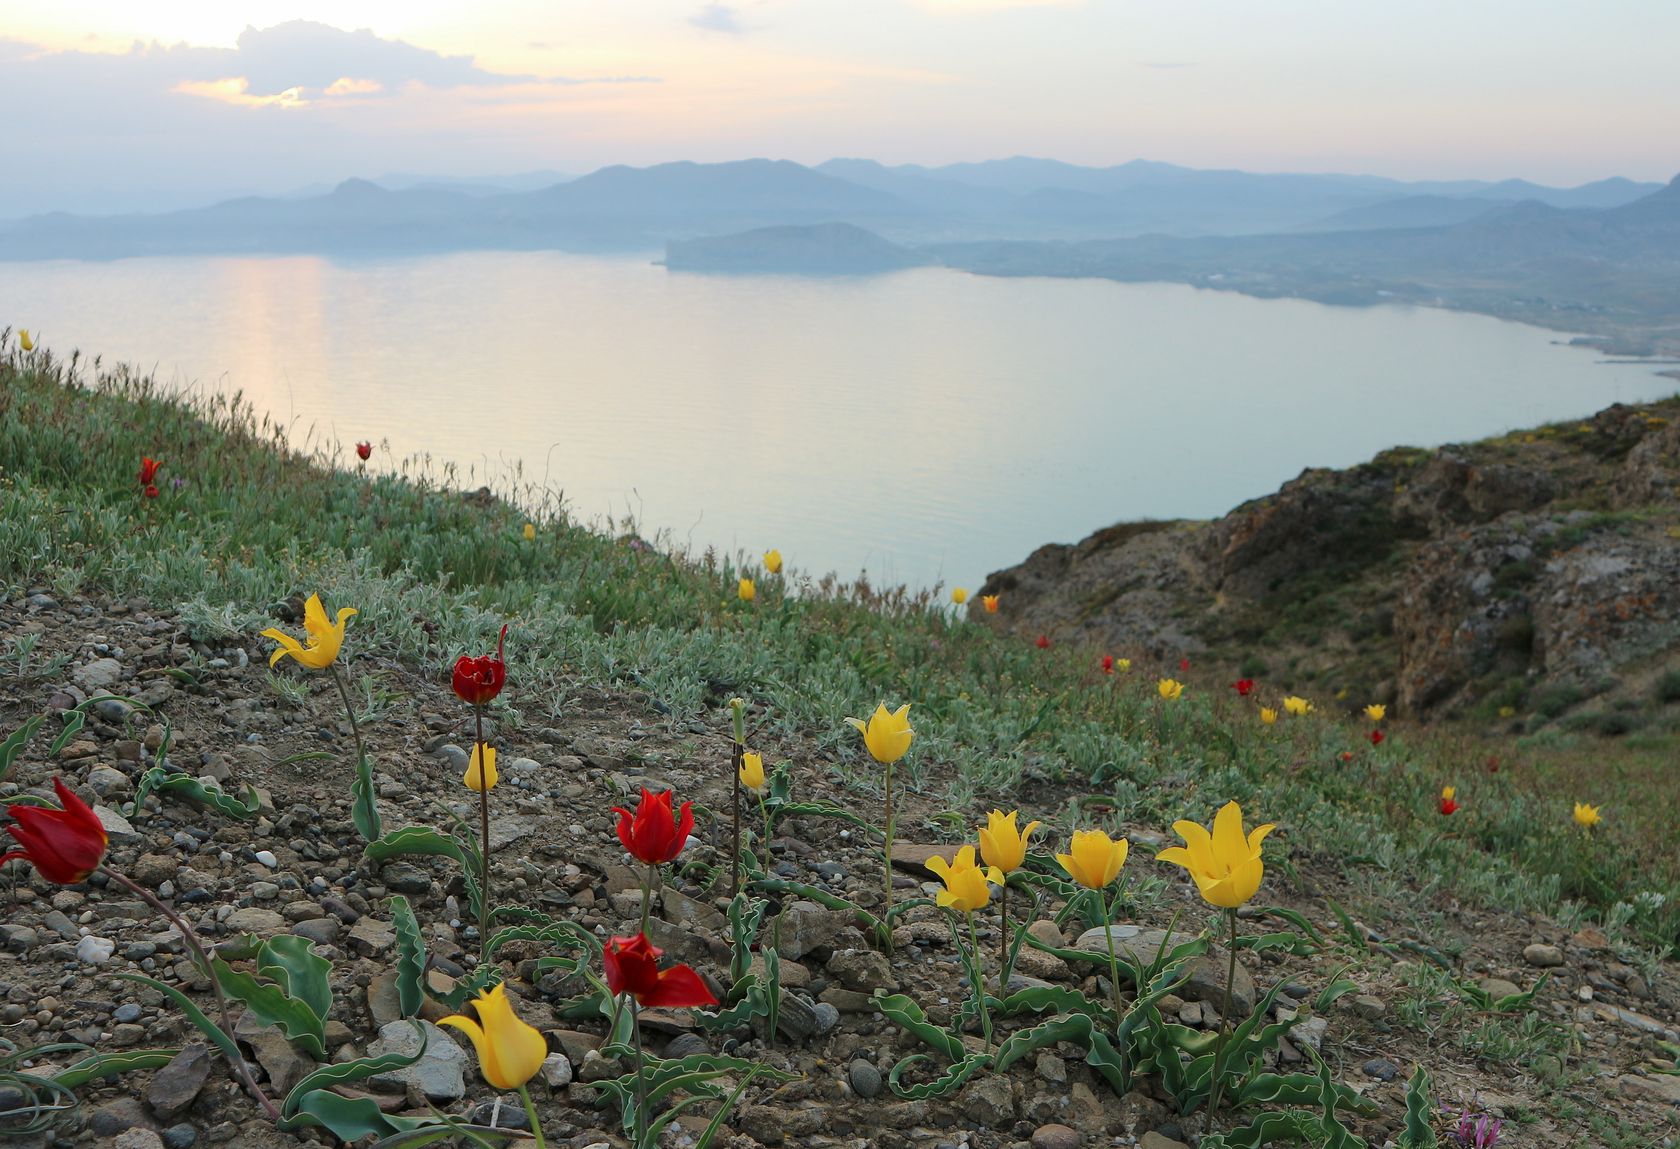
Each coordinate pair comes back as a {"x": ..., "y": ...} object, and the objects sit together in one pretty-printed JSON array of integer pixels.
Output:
[
  {"x": 312, "y": 57},
  {"x": 718, "y": 18}
]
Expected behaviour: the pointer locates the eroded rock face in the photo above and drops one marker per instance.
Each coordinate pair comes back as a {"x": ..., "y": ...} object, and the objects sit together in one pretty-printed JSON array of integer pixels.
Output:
[{"x": 1448, "y": 573}]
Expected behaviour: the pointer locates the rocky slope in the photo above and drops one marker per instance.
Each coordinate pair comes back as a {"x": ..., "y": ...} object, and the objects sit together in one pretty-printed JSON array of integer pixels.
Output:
[{"x": 1530, "y": 577}]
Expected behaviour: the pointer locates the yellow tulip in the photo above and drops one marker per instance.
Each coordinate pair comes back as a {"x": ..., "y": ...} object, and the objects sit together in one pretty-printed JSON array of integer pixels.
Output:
[
  {"x": 990, "y": 602},
  {"x": 752, "y": 770},
  {"x": 773, "y": 561},
  {"x": 1001, "y": 844},
  {"x": 1122, "y": 665},
  {"x": 1170, "y": 688},
  {"x": 530, "y": 532},
  {"x": 325, "y": 638},
  {"x": 959, "y": 595},
  {"x": 1226, "y": 866},
  {"x": 24, "y": 341},
  {"x": 887, "y": 735},
  {"x": 1586, "y": 815},
  {"x": 1297, "y": 706},
  {"x": 746, "y": 590},
  {"x": 1268, "y": 715},
  {"x": 485, "y": 778},
  {"x": 966, "y": 886},
  {"x": 1094, "y": 859},
  {"x": 1376, "y": 712},
  {"x": 509, "y": 1051}
]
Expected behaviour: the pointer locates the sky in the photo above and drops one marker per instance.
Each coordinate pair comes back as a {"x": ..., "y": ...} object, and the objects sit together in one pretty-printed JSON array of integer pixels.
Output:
[{"x": 115, "y": 105}]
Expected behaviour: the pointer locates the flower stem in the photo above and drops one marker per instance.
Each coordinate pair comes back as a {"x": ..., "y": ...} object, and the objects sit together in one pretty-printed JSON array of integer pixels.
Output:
[
  {"x": 483, "y": 829},
  {"x": 647, "y": 894},
  {"x": 1003, "y": 940},
  {"x": 349, "y": 710},
  {"x": 202, "y": 960},
  {"x": 980, "y": 982},
  {"x": 735, "y": 803},
  {"x": 1113, "y": 961},
  {"x": 886, "y": 854},
  {"x": 764, "y": 812},
  {"x": 1224, "y": 1019},
  {"x": 531, "y": 1112},
  {"x": 640, "y": 1124}
]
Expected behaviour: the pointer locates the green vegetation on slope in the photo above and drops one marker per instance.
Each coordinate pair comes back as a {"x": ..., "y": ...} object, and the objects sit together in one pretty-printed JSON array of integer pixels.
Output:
[{"x": 252, "y": 521}]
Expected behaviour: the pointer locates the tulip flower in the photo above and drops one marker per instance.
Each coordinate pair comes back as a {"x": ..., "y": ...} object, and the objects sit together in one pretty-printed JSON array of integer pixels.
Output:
[
  {"x": 1243, "y": 686},
  {"x": 530, "y": 532},
  {"x": 1122, "y": 665},
  {"x": 148, "y": 471},
  {"x": 1184, "y": 666},
  {"x": 752, "y": 771},
  {"x": 655, "y": 834},
  {"x": 1170, "y": 689},
  {"x": 64, "y": 846},
  {"x": 1225, "y": 865},
  {"x": 1297, "y": 706},
  {"x": 1268, "y": 715},
  {"x": 1586, "y": 816},
  {"x": 24, "y": 341},
  {"x": 959, "y": 595},
  {"x": 990, "y": 602},
  {"x": 1376, "y": 712},
  {"x": 632, "y": 966},
  {"x": 481, "y": 778},
  {"x": 1376, "y": 738},
  {"x": 509, "y": 1051},
  {"x": 966, "y": 887},
  {"x": 478, "y": 679},
  {"x": 325, "y": 638},
  {"x": 887, "y": 736},
  {"x": 1449, "y": 800},
  {"x": 745, "y": 591},
  {"x": 1002, "y": 845},
  {"x": 364, "y": 450},
  {"x": 1346, "y": 755},
  {"x": 1094, "y": 859},
  {"x": 1108, "y": 664},
  {"x": 773, "y": 561}
]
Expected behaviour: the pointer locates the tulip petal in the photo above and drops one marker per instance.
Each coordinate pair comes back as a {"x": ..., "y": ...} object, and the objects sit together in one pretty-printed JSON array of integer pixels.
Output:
[
  {"x": 677, "y": 987},
  {"x": 1259, "y": 835},
  {"x": 315, "y": 616},
  {"x": 1229, "y": 845}
]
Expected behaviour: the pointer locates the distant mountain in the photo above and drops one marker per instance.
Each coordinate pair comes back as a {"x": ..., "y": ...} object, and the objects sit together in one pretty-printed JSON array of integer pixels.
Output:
[
  {"x": 1407, "y": 211},
  {"x": 825, "y": 248},
  {"x": 690, "y": 190}
]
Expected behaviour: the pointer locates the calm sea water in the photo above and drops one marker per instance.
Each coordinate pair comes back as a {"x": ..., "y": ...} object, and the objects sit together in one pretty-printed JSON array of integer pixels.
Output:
[{"x": 924, "y": 425}]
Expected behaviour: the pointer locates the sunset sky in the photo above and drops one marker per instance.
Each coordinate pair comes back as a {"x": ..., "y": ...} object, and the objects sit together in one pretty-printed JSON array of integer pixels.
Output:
[{"x": 118, "y": 105}]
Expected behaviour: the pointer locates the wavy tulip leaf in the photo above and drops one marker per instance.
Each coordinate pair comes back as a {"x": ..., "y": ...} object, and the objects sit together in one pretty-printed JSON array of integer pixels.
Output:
[
  {"x": 1297, "y": 919},
  {"x": 106, "y": 1064},
  {"x": 292, "y": 961},
  {"x": 349, "y": 1118},
  {"x": 270, "y": 1005},
  {"x": 13, "y": 745},
  {"x": 1419, "y": 1134},
  {"x": 908, "y": 1016},
  {"x": 74, "y": 720},
  {"x": 411, "y": 957},
  {"x": 428, "y": 842},
  {"x": 364, "y": 805},
  {"x": 204, "y": 793},
  {"x": 477, "y": 980},
  {"x": 952, "y": 1080},
  {"x": 1055, "y": 999},
  {"x": 343, "y": 1073}
]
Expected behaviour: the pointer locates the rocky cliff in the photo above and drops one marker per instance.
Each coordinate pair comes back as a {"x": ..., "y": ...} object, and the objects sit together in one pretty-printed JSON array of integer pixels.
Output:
[{"x": 1531, "y": 578}]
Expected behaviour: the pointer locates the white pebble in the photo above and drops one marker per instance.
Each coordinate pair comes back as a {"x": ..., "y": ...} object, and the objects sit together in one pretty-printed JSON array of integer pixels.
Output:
[
  {"x": 267, "y": 858},
  {"x": 95, "y": 951}
]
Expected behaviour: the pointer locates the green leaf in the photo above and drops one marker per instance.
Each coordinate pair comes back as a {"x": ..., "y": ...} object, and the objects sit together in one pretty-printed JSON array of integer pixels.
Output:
[
  {"x": 13, "y": 745},
  {"x": 909, "y": 1017},
  {"x": 364, "y": 807},
  {"x": 293, "y": 963},
  {"x": 74, "y": 720},
  {"x": 270, "y": 1005},
  {"x": 1418, "y": 1133},
  {"x": 348, "y": 1118},
  {"x": 1297, "y": 919},
  {"x": 1055, "y": 999},
  {"x": 424, "y": 840},
  {"x": 1354, "y": 933},
  {"x": 105, "y": 1064},
  {"x": 362, "y": 1067},
  {"x": 204, "y": 793},
  {"x": 723, "y": 1110},
  {"x": 411, "y": 957},
  {"x": 953, "y": 1079},
  {"x": 195, "y": 1015}
]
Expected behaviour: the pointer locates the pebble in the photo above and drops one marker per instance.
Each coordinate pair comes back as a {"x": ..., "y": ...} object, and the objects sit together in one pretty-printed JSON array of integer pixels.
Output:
[
  {"x": 1381, "y": 1068},
  {"x": 126, "y": 1012},
  {"x": 267, "y": 858},
  {"x": 1542, "y": 955},
  {"x": 1055, "y": 1137},
  {"x": 181, "y": 1136},
  {"x": 93, "y": 950},
  {"x": 556, "y": 1070},
  {"x": 865, "y": 1079}
]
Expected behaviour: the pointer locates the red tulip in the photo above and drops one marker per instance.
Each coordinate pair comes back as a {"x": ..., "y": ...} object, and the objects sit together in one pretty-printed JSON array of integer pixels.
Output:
[
  {"x": 148, "y": 472},
  {"x": 1043, "y": 642},
  {"x": 1108, "y": 664},
  {"x": 1493, "y": 763},
  {"x": 478, "y": 680},
  {"x": 654, "y": 834},
  {"x": 65, "y": 845},
  {"x": 1243, "y": 686},
  {"x": 1183, "y": 664},
  {"x": 151, "y": 491},
  {"x": 633, "y": 968},
  {"x": 1449, "y": 803},
  {"x": 1376, "y": 737},
  {"x": 1346, "y": 755},
  {"x": 364, "y": 450}
]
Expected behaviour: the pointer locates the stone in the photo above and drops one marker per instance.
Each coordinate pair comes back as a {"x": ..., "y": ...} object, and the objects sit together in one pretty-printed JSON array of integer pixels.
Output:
[
  {"x": 176, "y": 1086},
  {"x": 1157, "y": 1140},
  {"x": 137, "y": 1139},
  {"x": 18, "y": 939},
  {"x": 1368, "y": 1007},
  {"x": 284, "y": 1062},
  {"x": 1381, "y": 1068},
  {"x": 109, "y": 782},
  {"x": 93, "y": 950},
  {"x": 152, "y": 870},
  {"x": 1207, "y": 984},
  {"x": 864, "y": 1079},
  {"x": 182, "y": 1136},
  {"x": 371, "y": 937},
  {"x": 321, "y": 931},
  {"x": 440, "y": 1074},
  {"x": 109, "y": 1120},
  {"x": 805, "y": 926},
  {"x": 863, "y": 970},
  {"x": 556, "y": 1071},
  {"x": 406, "y": 878},
  {"x": 1662, "y": 1087},
  {"x": 253, "y": 920},
  {"x": 687, "y": 1045},
  {"x": 1498, "y": 987},
  {"x": 1051, "y": 1068},
  {"x": 914, "y": 856},
  {"x": 100, "y": 674},
  {"x": 989, "y": 1100},
  {"x": 1055, "y": 1137},
  {"x": 1542, "y": 955},
  {"x": 1310, "y": 1033}
]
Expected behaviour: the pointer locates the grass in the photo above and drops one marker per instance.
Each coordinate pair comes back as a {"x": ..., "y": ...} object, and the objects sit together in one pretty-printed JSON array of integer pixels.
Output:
[{"x": 244, "y": 520}]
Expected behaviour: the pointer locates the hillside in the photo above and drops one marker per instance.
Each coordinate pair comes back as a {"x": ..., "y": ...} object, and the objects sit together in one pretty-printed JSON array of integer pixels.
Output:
[
  {"x": 1530, "y": 582},
  {"x": 1511, "y": 963},
  {"x": 828, "y": 249}
]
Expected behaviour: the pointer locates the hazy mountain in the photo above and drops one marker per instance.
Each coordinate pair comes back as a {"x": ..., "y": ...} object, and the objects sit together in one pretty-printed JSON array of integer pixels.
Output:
[
  {"x": 825, "y": 248},
  {"x": 1407, "y": 211}
]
